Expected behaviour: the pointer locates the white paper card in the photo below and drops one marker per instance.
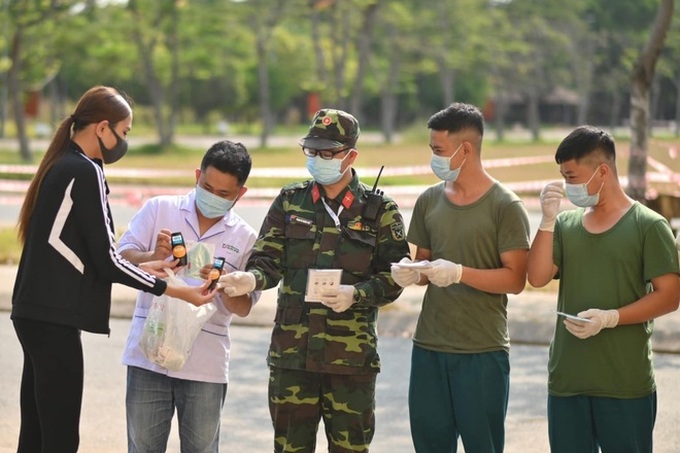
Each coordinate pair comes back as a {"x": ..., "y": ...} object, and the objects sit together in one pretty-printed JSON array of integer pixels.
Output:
[
  {"x": 417, "y": 265},
  {"x": 321, "y": 281}
]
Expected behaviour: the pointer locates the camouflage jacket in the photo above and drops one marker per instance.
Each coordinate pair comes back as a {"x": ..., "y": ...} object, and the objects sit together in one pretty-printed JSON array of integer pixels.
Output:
[{"x": 299, "y": 234}]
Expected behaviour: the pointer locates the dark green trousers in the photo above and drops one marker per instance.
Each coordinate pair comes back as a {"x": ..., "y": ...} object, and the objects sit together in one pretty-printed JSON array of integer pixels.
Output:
[
  {"x": 586, "y": 424},
  {"x": 452, "y": 395}
]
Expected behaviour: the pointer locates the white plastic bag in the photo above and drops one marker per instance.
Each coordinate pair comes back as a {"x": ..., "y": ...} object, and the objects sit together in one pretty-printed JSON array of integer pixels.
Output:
[{"x": 171, "y": 327}]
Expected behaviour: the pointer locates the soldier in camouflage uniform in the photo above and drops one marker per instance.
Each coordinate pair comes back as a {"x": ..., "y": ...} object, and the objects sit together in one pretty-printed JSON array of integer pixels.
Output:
[{"x": 323, "y": 358}]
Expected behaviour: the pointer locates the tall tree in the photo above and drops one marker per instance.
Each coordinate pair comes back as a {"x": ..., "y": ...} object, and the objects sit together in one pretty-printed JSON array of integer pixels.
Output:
[
  {"x": 366, "y": 36},
  {"x": 263, "y": 16},
  {"x": 641, "y": 81},
  {"x": 155, "y": 28},
  {"x": 453, "y": 38},
  {"x": 542, "y": 65},
  {"x": 4, "y": 64},
  {"x": 668, "y": 66},
  {"x": 394, "y": 56},
  {"x": 30, "y": 22}
]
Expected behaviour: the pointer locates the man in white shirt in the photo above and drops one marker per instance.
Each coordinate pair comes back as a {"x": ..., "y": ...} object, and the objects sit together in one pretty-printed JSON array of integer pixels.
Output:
[{"x": 210, "y": 229}]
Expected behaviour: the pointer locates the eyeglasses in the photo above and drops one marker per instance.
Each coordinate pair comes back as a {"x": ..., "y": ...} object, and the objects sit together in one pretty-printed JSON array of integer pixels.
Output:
[{"x": 325, "y": 154}]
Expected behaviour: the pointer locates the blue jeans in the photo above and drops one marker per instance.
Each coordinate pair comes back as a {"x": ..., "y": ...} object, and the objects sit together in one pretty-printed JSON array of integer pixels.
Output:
[{"x": 150, "y": 404}]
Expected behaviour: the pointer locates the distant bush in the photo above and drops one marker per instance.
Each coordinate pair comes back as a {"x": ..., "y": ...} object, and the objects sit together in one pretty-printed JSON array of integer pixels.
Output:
[{"x": 10, "y": 247}]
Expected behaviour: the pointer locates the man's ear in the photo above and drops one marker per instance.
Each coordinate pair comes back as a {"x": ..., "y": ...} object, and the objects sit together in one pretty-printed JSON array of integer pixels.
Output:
[{"x": 467, "y": 148}]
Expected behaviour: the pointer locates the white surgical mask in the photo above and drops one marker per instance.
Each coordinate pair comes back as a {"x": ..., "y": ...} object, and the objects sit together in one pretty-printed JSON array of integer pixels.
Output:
[
  {"x": 441, "y": 166},
  {"x": 325, "y": 172},
  {"x": 212, "y": 206},
  {"x": 578, "y": 193}
]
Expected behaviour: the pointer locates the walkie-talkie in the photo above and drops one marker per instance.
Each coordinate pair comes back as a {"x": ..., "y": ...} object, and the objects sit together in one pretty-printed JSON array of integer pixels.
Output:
[{"x": 374, "y": 199}]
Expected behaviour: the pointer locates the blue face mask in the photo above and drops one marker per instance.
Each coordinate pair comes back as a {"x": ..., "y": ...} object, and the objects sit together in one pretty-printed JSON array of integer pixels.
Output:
[
  {"x": 578, "y": 193},
  {"x": 212, "y": 206},
  {"x": 325, "y": 172},
  {"x": 441, "y": 166}
]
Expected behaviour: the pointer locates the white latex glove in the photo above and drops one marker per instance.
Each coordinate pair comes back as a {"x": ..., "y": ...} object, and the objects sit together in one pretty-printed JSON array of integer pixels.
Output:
[
  {"x": 551, "y": 196},
  {"x": 599, "y": 319},
  {"x": 339, "y": 300},
  {"x": 237, "y": 283},
  {"x": 403, "y": 276},
  {"x": 443, "y": 273}
]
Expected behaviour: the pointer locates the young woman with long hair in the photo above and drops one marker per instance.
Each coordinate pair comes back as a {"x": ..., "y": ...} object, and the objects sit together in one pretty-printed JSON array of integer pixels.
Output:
[{"x": 68, "y": 264}]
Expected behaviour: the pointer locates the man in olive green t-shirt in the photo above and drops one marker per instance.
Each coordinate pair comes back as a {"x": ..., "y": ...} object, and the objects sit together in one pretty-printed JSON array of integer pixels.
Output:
[
  {"x": 618, "y": 269},
  {"x": 471, "y": 236}
]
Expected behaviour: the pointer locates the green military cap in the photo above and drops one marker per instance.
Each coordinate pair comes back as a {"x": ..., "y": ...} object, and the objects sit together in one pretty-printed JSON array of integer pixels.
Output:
[{"x": 331, "y": 129}]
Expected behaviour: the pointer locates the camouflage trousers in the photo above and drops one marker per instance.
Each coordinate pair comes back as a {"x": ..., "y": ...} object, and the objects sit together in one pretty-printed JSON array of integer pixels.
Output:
[{"x": 299, "y": 399}]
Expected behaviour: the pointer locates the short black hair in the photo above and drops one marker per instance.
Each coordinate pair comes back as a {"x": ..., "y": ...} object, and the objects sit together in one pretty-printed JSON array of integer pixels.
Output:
[
  {"x": 457, "y": 117},
  {"x": 229, "y": 157},
  {"x": 583, "y": 142}
]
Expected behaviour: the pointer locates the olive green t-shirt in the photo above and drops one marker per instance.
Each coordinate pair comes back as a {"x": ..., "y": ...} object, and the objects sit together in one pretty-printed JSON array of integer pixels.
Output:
[
  {"x": 459, "y": 318},
  {"x": 607, "y": 270}
]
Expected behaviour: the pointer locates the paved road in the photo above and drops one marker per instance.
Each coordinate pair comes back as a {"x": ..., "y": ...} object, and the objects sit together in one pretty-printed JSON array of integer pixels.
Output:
[{"x": 245, "y": 425}]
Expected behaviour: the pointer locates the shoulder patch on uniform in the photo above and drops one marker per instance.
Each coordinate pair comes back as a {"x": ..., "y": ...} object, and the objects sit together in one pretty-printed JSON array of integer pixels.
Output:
[
  {"x": 296, "y": 185},
  {"x": 397, "y": 229}
]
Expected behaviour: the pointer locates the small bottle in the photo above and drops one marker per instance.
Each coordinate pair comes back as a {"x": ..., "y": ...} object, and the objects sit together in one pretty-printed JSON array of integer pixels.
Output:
[
  {"x": 179, "y": 250},
  {"x": 153, "y": 339}
]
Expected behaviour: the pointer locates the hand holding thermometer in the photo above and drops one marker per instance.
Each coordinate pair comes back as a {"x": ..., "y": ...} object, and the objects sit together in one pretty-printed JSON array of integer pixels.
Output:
[
  {"x": 215, "y": 272},
  {"x": 573, "y": 317}
]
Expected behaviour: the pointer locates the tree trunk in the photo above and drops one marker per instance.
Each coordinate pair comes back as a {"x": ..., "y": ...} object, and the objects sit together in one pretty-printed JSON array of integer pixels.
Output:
[
  {"x": 654, "y": 103},
  {"x": 321, "y": 72},
  {"x": 173, "y": 89},
  {"x": 388, "y": 114},
  {"x": 582, "y": 57},
  {"x": 639, "y": 118},
  {"x": 615, "y": 109},
  {"x": 263, "y": 90},
  {"x": 677, "y": 104},
  {"x": 447, "y": 76},
  {"x": 641, "y": 81},
  {"x": 585, "y": 79},
  {"x": 500, "y": 108},
  {"x": 340, "y": 51},
  {"x": 5, "y": 75},
  {"x": 533, "y": 119},
  {"x": 56, "y": 115},
  {"x": 365, "y": 41},
  {"x": 264, "y": 30},
  {"x": 388, "y": 98},
  {"x": 15, "y": 91},
  {"x": 157, "y": 92}
]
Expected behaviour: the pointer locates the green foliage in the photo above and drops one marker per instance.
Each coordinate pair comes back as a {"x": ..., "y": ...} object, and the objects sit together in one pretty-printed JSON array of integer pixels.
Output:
[{"x": 198, "y": 58}]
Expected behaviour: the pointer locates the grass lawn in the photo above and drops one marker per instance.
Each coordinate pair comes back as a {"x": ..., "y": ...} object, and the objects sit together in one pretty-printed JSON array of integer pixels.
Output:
[
  {"x": 397, "y": 155},
  {"x": 412, "y": 152}
]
